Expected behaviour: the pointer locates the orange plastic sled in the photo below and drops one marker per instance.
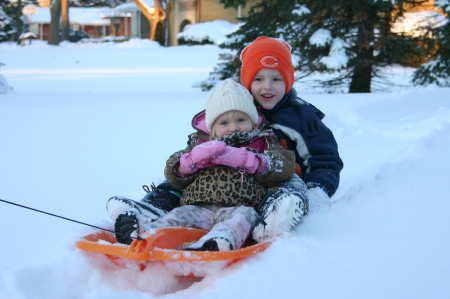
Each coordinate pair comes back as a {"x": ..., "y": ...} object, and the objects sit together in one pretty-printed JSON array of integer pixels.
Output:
[{"x": 164, "y": 245}]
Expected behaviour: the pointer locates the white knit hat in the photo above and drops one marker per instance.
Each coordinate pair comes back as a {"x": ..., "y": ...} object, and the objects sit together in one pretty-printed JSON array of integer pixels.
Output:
[{"x": 229, "y": 95}]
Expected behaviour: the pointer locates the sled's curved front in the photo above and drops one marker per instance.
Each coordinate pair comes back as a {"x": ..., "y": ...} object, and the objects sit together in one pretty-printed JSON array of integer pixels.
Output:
[{"x": 165, "y": 245}]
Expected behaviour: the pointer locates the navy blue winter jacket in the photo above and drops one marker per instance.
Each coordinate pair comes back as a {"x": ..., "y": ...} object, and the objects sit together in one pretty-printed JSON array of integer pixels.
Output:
[{"x": 300, "y": 125}]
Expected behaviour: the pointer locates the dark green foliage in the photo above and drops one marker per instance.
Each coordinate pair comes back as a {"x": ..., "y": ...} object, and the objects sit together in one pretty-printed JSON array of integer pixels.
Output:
[
  {"x": 437, "y": 71},
  {"x": 183, "y": 24},
  {"x": 12, "y": 27},
  {"x": 228, "y": 67},
  {"x": 159, "y": 34},
  {"x": 6, "y": 29},
  {"x": 359, "y": 33},
  {"x": 11, "y": 24},
  {"x": 191, "y": 42}
]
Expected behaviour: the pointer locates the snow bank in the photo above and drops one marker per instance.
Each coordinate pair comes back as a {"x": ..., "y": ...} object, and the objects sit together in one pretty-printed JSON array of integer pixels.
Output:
[{"x": 214, "y": 31}]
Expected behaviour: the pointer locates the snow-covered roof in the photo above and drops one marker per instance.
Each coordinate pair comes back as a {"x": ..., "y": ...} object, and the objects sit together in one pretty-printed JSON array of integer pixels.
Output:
[
  {"x": 215, "y": 31},
  {"x": 27, "y": 35},
  {"x": 126, "y": 7},
  {"x": 77, "y": 15}
]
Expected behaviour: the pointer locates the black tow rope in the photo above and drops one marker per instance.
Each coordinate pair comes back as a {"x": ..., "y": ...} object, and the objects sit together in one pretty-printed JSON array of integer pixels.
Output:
[{"x": 15, "y": 204}]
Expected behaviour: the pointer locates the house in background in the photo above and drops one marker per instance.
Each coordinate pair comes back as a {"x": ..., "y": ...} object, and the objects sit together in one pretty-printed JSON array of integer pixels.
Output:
[
  {"x": 190, "y": 11},
  {"x": 129, "y": 21},
  {"x": 125, "y": 20},
  {"x": 91, "y": 20}
]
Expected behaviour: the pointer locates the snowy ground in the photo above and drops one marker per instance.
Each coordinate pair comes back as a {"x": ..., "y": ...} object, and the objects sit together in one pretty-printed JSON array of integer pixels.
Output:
[{"x": 86, "y": 122}]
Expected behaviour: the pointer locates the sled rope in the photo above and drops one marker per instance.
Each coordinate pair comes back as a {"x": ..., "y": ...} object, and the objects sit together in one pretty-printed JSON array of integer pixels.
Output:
[{"x": 36, "y": 210}]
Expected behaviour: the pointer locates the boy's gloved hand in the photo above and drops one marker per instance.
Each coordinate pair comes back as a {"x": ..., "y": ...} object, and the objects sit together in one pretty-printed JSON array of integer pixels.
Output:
[
  {"x": 237, "y": 157},
  {"x": 201, "y": 156}
]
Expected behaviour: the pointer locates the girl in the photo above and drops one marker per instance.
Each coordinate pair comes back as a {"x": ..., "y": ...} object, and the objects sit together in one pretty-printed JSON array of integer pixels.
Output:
[{"x": 224, "y": 179}]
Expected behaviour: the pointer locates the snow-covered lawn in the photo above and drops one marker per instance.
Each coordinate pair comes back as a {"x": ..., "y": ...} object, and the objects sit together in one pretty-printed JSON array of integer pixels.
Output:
[{"x": 86, "y": 122}]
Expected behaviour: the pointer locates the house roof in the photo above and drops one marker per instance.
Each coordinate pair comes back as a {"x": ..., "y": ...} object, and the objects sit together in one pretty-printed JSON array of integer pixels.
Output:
[
  {"x": 77, "y": 15},
  {"x": 130, "y": 7},
  {"x": 126, "y": 7}
]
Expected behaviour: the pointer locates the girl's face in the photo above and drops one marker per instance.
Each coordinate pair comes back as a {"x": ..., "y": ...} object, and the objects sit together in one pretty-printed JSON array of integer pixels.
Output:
[
  {"x": 268, "y": 88},
  {"x": 232, "y": 121}
]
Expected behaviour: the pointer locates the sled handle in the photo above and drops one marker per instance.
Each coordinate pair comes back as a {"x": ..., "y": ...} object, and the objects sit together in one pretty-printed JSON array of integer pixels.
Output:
[
  {"x": 163, "y": 239},
  {"x": 102, "y": 242}
]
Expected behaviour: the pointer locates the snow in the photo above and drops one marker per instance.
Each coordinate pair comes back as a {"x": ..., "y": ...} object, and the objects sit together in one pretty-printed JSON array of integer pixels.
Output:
[
  {"x": 27, "y": 35},
  {"x": 85, "y": 122},
  {"x": 4, "y": 86},
  {"x": 337, "y": 58},
  {"x": 200, "y": 269},
  {"x": 77, "y": 15},
  {"x": 301, "y": 9},
  {"x": 125, "y": 8},
  {"x": 215, "y": 31},
  {"x": 321, "y": 37}
]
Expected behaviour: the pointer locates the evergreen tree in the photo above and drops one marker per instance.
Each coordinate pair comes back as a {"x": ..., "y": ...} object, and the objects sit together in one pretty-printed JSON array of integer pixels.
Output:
[
  {"x": 437, "y": 71},
  {"x": 349, "y": 39},
  {"x": 6, "y": 30},
  {"x": 11, "y": 22},
  {"x": 12, "y": 15}
]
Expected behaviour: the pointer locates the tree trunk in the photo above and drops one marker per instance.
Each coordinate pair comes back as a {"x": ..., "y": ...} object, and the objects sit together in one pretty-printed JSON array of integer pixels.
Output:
[
  {"x": 153, "y": 16},
  {"x": 362, "y": 73},
  {"x": 65, "y": 20},
  {"x": 55, "y": 14},
  {"x": 166, "y": 27}
]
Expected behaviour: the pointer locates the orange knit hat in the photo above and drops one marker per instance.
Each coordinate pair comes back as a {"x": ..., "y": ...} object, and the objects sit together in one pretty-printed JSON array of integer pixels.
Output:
[{"x": 266, "y": 52}]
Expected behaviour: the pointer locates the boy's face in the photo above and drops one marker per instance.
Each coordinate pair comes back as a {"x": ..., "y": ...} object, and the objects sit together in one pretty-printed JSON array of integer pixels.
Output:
[
  {"x": 268, "y": 88},
  {"x": 232, "y": 121}
]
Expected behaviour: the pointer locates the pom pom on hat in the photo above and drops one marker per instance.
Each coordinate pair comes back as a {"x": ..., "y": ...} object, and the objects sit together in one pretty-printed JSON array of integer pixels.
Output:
[
  {"x": 267, "y": 52},
  {"x": 229, "y": 95}
]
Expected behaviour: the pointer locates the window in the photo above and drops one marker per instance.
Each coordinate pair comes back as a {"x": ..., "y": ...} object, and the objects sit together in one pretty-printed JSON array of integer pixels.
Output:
[{"x": 186, "y": 6}]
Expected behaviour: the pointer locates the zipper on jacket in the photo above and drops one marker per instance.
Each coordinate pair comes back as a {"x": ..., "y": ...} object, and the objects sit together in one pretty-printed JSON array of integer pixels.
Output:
[{"x": 242, "y": 171}]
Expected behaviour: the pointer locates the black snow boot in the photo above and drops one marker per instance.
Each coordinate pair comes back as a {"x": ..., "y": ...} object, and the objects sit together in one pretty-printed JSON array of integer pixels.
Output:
[{"x": 126, "y": 227}]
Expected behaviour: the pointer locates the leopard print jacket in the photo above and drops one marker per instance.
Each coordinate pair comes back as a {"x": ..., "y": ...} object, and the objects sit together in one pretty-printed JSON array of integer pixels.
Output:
[{"x": 225, "y": 185}]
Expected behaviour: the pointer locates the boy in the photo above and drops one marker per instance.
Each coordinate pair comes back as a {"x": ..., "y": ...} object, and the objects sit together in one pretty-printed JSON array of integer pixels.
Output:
[{"x": 268, "y": 73}]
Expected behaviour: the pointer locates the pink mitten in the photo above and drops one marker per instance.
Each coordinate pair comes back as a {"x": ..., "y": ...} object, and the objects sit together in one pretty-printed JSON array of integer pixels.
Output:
[
  {"x": 237, "y": 157},
  {"x": 201, "y": 155}
]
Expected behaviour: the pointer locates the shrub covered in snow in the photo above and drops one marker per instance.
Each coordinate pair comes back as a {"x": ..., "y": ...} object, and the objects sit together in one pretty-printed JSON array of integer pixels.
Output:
[
  {"x": 4, "y": 87},
  {"x": 213, "y": 32}
]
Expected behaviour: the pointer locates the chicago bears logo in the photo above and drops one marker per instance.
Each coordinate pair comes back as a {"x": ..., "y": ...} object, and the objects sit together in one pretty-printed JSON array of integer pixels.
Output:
[{"x": 269, "y": 61}]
